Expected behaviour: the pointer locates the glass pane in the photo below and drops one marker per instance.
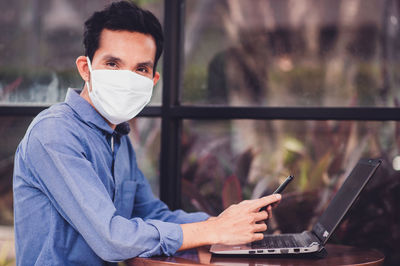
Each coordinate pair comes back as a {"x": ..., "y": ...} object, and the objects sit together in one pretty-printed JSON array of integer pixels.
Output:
[
  {"x": 39, "y": 42},
  {"x": 11, "y": 132},
  {"x": 292, "y": 53},
  {"x": 224, "y": 162},
  {"x": 145, "y": 136}
]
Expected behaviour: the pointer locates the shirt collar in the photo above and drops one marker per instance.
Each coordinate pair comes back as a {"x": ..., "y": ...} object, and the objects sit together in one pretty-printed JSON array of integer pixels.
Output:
[{"x": 89, "y": 115}]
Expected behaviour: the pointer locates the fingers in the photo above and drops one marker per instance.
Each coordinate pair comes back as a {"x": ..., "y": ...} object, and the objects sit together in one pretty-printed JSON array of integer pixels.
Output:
[
  {"x": 260, "y": 216},
  {"x": 265, "y": 201},
  {"x": 269, "y": 211},
  {"x": 258, "y": 236},
  {"x": 261, "y": 227}
]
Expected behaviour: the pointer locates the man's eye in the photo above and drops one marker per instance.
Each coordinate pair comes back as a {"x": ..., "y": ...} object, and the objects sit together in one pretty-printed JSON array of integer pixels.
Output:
[
  {"x": 111, "y": 64},
  {"x": 143, "y": 70}
]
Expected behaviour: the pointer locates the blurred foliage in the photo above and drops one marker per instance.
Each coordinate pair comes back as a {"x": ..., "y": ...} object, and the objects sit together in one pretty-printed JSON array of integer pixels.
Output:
[
  {"x": 365, "y": 82},
  {"x": 304, "y": 84},
  {"x": 145, "y": 138},
  {"x": 320, "y": 154},
  {"x": 195, "y": 75},
  {"x": 267, "y": 60}
]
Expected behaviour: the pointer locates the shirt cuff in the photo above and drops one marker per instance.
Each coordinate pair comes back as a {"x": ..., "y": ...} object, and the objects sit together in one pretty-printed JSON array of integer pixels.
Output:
[
  {"x": 171, "y": 237},
  {"x": 182, "y": 217},
  {"x": 198, "y": 217}
]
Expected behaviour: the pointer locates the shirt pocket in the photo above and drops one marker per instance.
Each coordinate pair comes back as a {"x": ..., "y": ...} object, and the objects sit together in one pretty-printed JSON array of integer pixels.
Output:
[{"x": 126, "y": 198}]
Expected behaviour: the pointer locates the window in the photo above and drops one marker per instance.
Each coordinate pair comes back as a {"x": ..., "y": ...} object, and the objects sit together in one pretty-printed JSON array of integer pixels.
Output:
[
  {"x": 263, "y": 88},
  {"x": 291, "y": 53}
]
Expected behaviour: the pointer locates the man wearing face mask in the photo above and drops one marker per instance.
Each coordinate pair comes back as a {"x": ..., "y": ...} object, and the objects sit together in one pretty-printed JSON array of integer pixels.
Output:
[{"x": 79, "y": 196}]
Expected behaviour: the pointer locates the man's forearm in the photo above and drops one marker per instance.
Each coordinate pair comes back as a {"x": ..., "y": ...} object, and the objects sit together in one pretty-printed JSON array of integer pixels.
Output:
[{"x": 198, "y": 234}]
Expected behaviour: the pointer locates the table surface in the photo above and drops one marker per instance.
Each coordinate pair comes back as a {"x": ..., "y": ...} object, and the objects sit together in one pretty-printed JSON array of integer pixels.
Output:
[{"x": 337, "y": 255}]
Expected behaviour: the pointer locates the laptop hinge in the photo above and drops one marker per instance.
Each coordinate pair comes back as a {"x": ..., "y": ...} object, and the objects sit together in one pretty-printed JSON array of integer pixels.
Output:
[{"x": 317, "y": 237}]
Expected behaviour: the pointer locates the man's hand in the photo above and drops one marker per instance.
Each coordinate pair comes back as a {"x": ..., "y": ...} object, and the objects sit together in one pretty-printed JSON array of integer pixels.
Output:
[{"x": 238, "y": 224}]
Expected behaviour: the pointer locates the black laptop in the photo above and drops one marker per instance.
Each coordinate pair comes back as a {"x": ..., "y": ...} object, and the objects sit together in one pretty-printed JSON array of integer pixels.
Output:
[{"x": 312, "y": 241}]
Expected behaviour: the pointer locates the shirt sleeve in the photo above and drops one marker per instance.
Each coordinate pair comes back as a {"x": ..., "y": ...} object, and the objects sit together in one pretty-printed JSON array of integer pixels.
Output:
[
  {"x": 148, "y": 206},
  {"x": 70, "y": 182}
]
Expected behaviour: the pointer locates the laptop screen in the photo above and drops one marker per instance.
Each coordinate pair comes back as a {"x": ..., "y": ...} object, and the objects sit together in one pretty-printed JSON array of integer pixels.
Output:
[{"x": 344, "y": 198}]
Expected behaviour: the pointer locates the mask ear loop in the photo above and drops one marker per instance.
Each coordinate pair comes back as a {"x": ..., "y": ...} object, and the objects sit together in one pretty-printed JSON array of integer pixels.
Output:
[
  {"x": 90, "y": 70},
  {"x": 89, "y": 64}
]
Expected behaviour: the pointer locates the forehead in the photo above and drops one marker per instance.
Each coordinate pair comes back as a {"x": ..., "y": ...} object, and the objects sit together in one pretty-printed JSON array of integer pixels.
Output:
[{"x": 127, "y": 45}]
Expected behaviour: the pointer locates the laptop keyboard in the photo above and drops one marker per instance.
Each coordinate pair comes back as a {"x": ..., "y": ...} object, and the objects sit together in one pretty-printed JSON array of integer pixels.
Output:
[{"x": 279, "y": 241}]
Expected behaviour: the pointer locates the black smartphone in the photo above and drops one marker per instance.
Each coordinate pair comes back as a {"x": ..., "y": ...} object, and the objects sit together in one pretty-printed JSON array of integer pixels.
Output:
[
  {"x": 283, "y": 185},
  {"x": 280, "y": 188}
]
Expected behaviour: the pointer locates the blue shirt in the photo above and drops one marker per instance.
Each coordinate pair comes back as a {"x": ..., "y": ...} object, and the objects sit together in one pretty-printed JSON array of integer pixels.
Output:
[{"x": 79, "y": 196}]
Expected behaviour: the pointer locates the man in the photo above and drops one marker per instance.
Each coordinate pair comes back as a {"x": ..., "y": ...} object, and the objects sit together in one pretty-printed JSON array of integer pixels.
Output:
[{"x": 79, "y": 197}]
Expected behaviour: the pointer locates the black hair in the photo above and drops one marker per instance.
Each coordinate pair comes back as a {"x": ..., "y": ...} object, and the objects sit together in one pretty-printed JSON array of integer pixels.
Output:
[{"x": 122, "y": 15}]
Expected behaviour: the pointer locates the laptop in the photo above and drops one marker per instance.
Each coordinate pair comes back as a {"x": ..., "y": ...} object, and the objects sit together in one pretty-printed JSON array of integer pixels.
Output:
[{"x": 311, "y": 241}]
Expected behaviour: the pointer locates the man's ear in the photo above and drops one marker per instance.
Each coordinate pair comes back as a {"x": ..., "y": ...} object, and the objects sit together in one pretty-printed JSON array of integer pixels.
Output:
[
  {"x": 156, "y": 78},
  {"x": 83, "y": 68}
]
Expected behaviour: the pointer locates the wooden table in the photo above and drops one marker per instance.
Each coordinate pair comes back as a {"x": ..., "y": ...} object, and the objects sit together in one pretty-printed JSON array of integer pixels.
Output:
[{"x": 337, "y": 255}]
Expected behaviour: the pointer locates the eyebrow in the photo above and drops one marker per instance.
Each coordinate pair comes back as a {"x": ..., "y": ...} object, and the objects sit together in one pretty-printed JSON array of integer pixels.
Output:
[
  {"x": 119, "y": 60},
  {"x": 112, "y": 58},
  {"x": 146, "y": 64}
]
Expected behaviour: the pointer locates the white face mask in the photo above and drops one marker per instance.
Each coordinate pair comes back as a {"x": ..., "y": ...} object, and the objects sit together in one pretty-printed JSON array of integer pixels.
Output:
[{"x": 118, "y": 95}]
